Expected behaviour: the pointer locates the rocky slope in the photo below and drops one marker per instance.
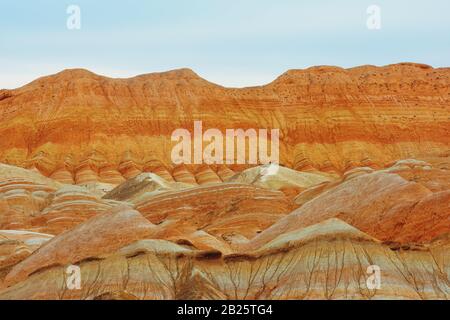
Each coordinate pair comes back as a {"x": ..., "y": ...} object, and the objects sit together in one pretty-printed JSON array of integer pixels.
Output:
[
  {"x": 236, "y": 240},
  {"x": 80, "y": 127},
  {"x": 324, "y": 261},
  {"x": 380, "y": 203},
  {"x": 87, "y": 183}
]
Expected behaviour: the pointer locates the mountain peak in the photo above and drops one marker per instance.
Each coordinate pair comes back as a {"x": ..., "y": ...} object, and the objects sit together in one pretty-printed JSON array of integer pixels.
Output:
[
  {"x": 76, "y": 73},
  {"x": 176, "y": 74}
]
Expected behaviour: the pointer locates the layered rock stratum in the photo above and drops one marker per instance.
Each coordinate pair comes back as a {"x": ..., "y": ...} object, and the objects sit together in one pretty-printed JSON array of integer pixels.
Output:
[
  {"x": 87, "y": 182},
  {"x": 77, "y": 126}
]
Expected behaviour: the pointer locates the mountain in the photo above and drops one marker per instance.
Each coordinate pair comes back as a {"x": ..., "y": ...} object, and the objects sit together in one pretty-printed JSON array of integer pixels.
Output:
[
  {"x": 325, "y": 261},
  {"x": 152, "y": 239},
  {"x": 87, "y": 183},
  {"x": 79, "y": 126}
]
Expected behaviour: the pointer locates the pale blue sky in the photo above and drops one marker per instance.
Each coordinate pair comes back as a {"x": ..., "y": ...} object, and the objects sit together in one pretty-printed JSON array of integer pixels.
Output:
[{"x": 233, "y": 43}]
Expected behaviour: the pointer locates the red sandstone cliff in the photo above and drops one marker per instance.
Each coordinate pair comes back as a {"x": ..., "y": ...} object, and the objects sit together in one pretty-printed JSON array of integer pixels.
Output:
[
  {"x": 330, "y": 118},
  {"x": 344, "y": 200}
]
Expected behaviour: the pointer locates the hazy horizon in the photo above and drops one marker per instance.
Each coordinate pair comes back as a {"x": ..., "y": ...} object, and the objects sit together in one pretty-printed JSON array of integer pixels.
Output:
[
  {"x": 205, "y": 78},
  {"x": 231, "y": 44}
]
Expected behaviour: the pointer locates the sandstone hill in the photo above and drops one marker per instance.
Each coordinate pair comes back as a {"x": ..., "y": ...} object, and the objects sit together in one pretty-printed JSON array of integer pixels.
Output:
[
  {"x": 79, "y": 127},
  {"x": 86, "y": 181},
  {"x": 229, "y": 240}
]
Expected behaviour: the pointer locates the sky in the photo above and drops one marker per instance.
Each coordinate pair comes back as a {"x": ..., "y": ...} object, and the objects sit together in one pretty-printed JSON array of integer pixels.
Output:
[{"x": 233, "y": 43}]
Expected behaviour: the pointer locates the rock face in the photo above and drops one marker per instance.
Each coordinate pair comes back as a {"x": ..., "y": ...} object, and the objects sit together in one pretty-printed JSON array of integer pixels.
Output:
[
  {"x": 381, "y": 204},
  {"x": 143, "y": 185},
  {"x": 239, "y": 241},
  {"x": 80, "y": 126},
  {"x": 363, "y": 187},
  {"x": 100, "y": 235},
  {"x": 218, "y": 209},
  {"x": 48, "y": 208},
  {"x": 16, "y": 246},
  {"x": 324, "y": 261}
]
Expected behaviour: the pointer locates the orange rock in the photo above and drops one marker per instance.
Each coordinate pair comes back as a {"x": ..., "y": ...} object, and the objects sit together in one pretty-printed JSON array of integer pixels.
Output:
[
  {"x": 426, "y": 220},
  {"x": 328, "y": 260},
  {"x": 68, "y": 207},
  {"x": 86, "y": 173},
  {"x": 340, "y": 202},
  {"x": 224, "y": 172},
  {"x": 16, "y": 246},
  {"x": 218, "y": 209},
  {"x": 182, "y": 174},
  {"x": 109, "y": 174},
  {"x": 370, "y": 202},
  {"x": 20, "y": 201},
  {"x": 205, "y": 175},
  {"x": 129, "y": 169},
  {"x": 62, "y": 175},
  {"x": 157, "y": 168},
  {"x": 330, "y": 118},
  {"x": 102, "y": 234}
]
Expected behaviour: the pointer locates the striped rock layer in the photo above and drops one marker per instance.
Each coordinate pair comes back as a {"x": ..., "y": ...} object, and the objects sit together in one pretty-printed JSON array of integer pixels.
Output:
[
  {"x": 86, "y": 181},
  {"x": 76, "y": 126},
  {"x": 150, "y": 238},
  {"x": 324, "y": 261}
]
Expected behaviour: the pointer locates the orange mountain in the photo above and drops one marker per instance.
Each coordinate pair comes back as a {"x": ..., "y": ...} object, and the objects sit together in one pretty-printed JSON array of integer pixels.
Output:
[
  {"x": 86, "y": 180},
  {"x": 77, "y": 125}
]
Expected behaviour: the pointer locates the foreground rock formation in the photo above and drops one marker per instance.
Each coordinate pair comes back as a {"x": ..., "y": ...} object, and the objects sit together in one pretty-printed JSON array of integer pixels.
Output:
[
  {"x": 86, "y": 183},
  {"x": 324, "y": 261},
  {"x": 233, "y": 240}
]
